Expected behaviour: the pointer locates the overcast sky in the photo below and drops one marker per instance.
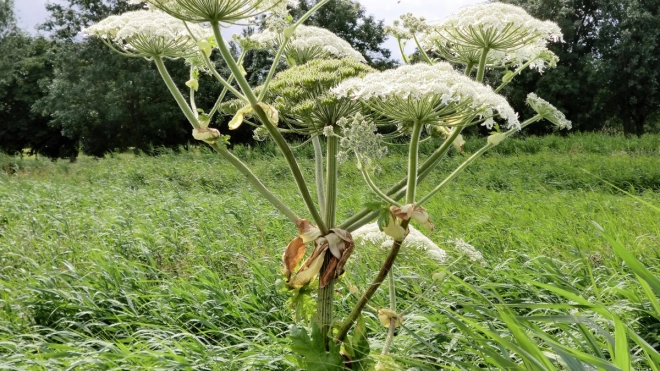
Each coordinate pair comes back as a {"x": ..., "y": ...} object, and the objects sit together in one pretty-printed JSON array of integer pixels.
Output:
[{"x": 32, "y": 12}]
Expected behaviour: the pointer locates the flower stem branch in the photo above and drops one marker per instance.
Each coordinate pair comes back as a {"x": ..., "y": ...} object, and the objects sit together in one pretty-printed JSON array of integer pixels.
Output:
[
  {"x": 364, "y": 299},
  {"x": 218, "y": 101},
  {"x": 272, "y": 130},
  {"x": 403, "y": 54},
  {"x": 258, "y": 185},
  {"x": 413, "y": 159},
  {"x": 390, "y": 331},
  {"x": 422, "y": 51},
  {"x": 429, "y": 164},
  {"x": 375, "y": 189}
]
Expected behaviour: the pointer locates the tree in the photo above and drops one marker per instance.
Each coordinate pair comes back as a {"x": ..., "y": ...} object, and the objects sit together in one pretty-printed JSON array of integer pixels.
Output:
[
  {"x": 24, "y": 68},
  {"x": 628, "y": 64},
  {"x": 349, "y": 21}
]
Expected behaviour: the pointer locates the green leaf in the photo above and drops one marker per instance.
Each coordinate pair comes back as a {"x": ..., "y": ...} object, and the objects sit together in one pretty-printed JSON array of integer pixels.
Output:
[
  {"x": 357, "y": 348},
  {"x": 311, "y": 352},
  {"x": 301, "y": 303}
]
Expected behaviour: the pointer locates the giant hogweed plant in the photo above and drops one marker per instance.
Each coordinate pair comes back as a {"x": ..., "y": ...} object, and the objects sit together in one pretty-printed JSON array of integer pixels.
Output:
[{"x": 329, "y": 94}]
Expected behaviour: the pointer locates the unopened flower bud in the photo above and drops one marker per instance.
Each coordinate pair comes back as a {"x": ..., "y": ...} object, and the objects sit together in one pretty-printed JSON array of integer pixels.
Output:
[
  {"x": 496, "y": 138},
  {"x": 193, "y": 84},
  {"x": 207, "y": 135},
  {"x": 205, "y": 47}
]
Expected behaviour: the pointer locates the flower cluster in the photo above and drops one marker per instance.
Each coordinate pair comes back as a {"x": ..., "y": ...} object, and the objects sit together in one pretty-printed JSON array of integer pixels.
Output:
[
  {"x": 307, "y": 43},
  {"x": 301, "y": 95},
  {"x": 223, "y": 11},
  {"x": 150, "y": 34},
  {"x": 360, "y": 137},
  {"x": 497, "y": 26},
  {"x": 468, "y": 250},
  {"x": 548, "y": 111},
  {"x": 511, "y": 36},
  {"x": 370, "y": 233},
  {"x": 424, "y": 83}
]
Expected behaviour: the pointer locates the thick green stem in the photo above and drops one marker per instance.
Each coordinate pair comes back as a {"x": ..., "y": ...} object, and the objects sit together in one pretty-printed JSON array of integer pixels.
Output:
[
  {"x": 256, "y": 183},
  {"x": 331, "y": 173},
  {"x": 413, "y": 159},
  {"x": 482, "y": 65},
  {"x": 318, "y": 167},
  {"x": 364, "y": 299},
  {"x": 424, "y": 171},
  {"x": 325, "y": 302},
  {"x": 516, "y": 72},
  {"x": 181, "y": 101},
  {"x": 272, "y": 130}
]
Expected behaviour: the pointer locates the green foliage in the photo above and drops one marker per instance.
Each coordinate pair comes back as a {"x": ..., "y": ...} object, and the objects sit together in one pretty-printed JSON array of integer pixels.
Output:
[
  {"x": 312, "y": 351},
  {"x": 607, "y": 76},
  {"x": 116, "y": 264},
  {"x": 357, "y": 348}
]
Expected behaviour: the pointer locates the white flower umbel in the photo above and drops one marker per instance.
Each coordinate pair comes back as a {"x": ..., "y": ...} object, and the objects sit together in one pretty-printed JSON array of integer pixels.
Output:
[
  {"x": 497, "y": 26},
  {"x": 149, "y": 34},
  {"x": 468, "y": 250},
  {"x": 223, "y": 11},
  {"x": 307, "y": 43},
  {"x": 370, "y": 233},
  {"x": 427, "y": 94},
  {"x": 548, "y": 112}
]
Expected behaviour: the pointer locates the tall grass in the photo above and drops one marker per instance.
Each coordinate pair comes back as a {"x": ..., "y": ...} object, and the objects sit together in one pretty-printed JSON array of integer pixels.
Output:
[{"x": 172, "y": 262}]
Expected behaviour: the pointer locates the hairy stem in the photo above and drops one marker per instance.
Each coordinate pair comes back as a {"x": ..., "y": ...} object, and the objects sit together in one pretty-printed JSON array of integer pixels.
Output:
[
  {"x": 375, "y": 189},
  {"x": 331, "y": 173},
  {"x": 403, "y": 54}
]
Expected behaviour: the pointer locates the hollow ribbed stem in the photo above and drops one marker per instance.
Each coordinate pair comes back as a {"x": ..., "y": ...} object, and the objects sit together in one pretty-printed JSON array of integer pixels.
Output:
[
  {"x": 424, "y": 171},
  {"x": 364, "y": 299},
  {"x": 413, "y": 159},
  {"x": 325, "y": 302},
  {"x": 181, "y": 101},
  {"x": 255, "y": 182},
  {"x": 318, "y": 167},
  {"x": 482, "y": 65},
  {"x": 403, "y": 54},
  {"x": 331, "y": 173},
  {"x": 390, "y": 331},
  {"x": 471, "y": 159},
  {"x": 272, "y": 130}
]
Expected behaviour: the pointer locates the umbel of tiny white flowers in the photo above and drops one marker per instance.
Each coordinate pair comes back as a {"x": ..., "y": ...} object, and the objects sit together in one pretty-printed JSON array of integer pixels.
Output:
[
  {"x": 497, "y": 26},
  {"x": 426, "y": 94},
  {"x": 301, "y": 95},
  {"x": 359, "y": 136},
  {"x": 149, "y": 34},
  {"x": 222, "y": 11},
  {"x": 548, "y": 111},
  {"x": 307, "y": 43}
]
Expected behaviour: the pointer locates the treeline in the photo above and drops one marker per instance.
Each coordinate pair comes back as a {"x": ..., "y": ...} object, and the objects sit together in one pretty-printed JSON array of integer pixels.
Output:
[{"x": 61, "y": 95}]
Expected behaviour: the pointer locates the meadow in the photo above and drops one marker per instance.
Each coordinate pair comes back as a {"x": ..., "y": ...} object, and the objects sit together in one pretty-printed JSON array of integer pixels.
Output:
[{"x": 173, "y": 262}]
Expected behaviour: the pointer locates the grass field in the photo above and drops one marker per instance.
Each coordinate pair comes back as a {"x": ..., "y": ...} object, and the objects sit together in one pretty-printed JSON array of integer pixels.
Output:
[{"x": 172, "y": 262}]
